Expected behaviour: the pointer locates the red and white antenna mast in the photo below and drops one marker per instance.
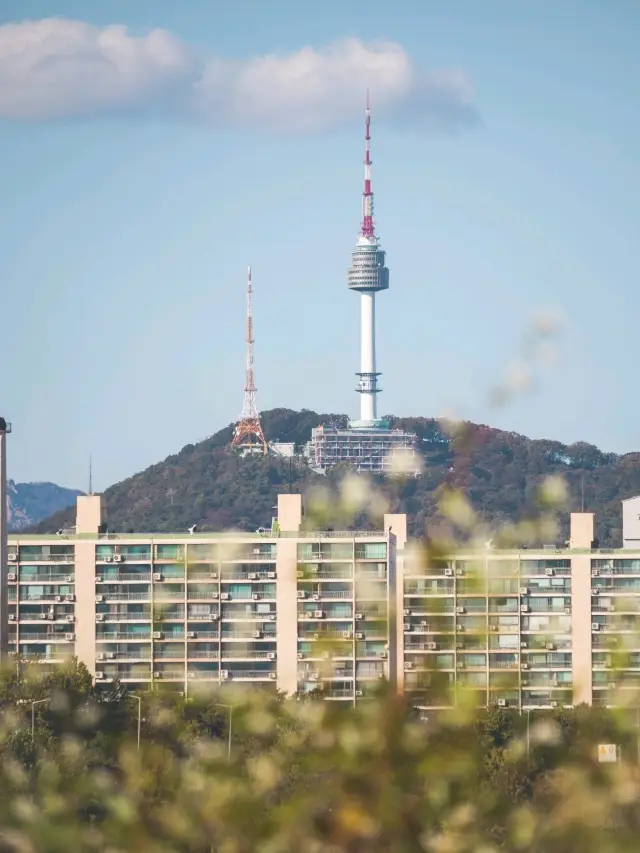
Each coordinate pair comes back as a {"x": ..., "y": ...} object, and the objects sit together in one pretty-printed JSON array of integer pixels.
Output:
[
  {"x": 248, "y": 435},
  {"x": 367, "y": 195}
]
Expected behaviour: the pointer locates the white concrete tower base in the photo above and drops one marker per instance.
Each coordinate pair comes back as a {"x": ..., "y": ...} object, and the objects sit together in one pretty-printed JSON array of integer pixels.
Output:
[{"x": 368, "y": 353}]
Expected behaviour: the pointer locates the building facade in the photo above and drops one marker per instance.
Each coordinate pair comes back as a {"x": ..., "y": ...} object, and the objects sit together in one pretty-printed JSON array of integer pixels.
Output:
[{"x": 292, "y": 611}]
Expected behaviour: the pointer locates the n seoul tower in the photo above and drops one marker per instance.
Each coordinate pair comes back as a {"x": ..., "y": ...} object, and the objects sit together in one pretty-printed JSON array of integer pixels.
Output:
[{"x": 367, "y": 275}]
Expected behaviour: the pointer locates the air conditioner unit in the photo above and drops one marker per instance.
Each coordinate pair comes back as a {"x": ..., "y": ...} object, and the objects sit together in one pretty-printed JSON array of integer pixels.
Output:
[
  {"x": 214, "y": 595},
  {"x": 117, "y": 558},
  {"x": 99, "y": 617},
  {"x": 595, "y": 590},
  {"x": 448, "y": 573},
  {"x": 300, "y": 574},
  {"x": 524, "y": 608},
  {"x": 359, "y": 693},
  {"x": 157, "y": 674},
  {"x": 383, "y": 655},
  {"x": 157, "y": 635},
  {"x": 224, "y": 596},
  {"x": 11, "y": 576},
  {"x": 110, "y": 655},
  {"x": 271, "y": 576},
  {"x": 157, "y": 576},
  {"x": 553, "y": 704},
  {"x": 70, "y": 618},
  {"x": 255, "y": 551},
  {"x": 459, "y": 627},
  {"x": 99, "y": 676},
  {"x": 98, "y": 579},
  {"x": 108, "y": 558},
  {"x": 70, "y": 597},
  {"x": 524, "y": 590},
  {"x": 224, "y": 673},
  {"x": 315, "y": 597},
  {"x": 595, "y": 626},
  {"x": 68, "y": 578},
  {"x": 313, "y": 676},
  {"x": 302, "y": 593},
  {"x": 42, "y": 615},
  {"x": 252, "y": 576},
  {"x": 99, "y": 598},
  {"x": 12, "y": 617},
  {"x": 524, "y": 666},
  {"x": 432, "y": 646},
  {"x": 300, "y": 656},
  {"x": 346, "y": 635},
  {"x": 99, "y": 656},
  {"x": 12, "y": 558},
  {"x": 214, "y": 617},
  {"x": 549, "y": 572},
  {"x": 359, "y": 635},
  {"x": 58, "y": 598},
  {"x": 191, "y": 635},
  {"x": 424, "y": 623},
  {"x": 271, "y": 655},
  {"x": 256, "y": 635},
  {"x": 550, "y": 647},
  {"x": 271, "y": 617},
  {"x": 407, "y": 626},
  {"x": 69, "y": 636},
  {"x": 567, "y": 610},
  {"x": 502, "y": 703},
  {"x": 460, "y": 610},
  {"x": 273, "y": 675},
  {"x": 318, "y": 614},
  {"x": 494, "y": 627},
  {"x": 406, "y": 612},
  {"x": 256, "y": 596},
  {"x": 523, "y": 644},
  {"x": 359, "y": 616},
  {"x": 408, "y": 664},
  {"x": 191, "y": 675},
  {"x": 594, "y": 573}
]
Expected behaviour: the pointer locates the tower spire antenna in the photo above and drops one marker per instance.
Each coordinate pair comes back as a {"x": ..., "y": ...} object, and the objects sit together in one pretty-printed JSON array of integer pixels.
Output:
[
  {"x": 367, "y": 229},
  {"x": 248, "y": 436}
]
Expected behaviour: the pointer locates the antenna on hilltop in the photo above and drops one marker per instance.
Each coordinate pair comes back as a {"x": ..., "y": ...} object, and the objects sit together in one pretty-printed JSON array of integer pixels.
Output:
[{"x": 248, "y": 436}]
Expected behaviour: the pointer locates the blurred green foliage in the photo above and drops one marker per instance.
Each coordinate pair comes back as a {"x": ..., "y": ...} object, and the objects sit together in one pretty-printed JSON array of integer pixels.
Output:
[{"x": 305, "y": 774}]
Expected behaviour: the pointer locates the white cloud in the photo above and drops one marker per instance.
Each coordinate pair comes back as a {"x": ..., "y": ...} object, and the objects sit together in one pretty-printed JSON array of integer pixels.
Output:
[{"x": 57, "y": 68}]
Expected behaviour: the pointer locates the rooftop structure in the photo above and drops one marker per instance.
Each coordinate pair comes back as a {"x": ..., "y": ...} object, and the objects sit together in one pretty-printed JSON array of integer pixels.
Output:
[{"x": 248, "y": 436}]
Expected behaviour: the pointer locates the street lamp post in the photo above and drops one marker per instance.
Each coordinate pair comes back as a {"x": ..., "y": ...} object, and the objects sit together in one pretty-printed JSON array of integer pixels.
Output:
[
  {"x": 230, "y": 709},
  {"x": 33, "y": 703},
  {"x": 139, "y": 701}
]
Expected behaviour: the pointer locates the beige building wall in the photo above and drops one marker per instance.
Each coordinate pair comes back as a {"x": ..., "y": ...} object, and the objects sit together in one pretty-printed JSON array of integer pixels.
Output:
[
  {"x": 88, "y": 514},
  {"x": 290, "y": 513},
  {"x": 287, "y": 614},
  {"x": 581, "y": 635},
  {"x": 395, "y": 525},
  {"x": 85, "y": 591},
  {"x": 582, "y": 530}
]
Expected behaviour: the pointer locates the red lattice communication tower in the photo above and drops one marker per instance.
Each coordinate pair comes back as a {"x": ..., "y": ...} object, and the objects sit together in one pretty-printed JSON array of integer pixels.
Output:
[{"x": 248, "y": 436}]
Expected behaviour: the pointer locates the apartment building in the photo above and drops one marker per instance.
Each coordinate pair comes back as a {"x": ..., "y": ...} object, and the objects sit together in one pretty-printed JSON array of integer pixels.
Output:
[
  {"x": 537, "y": 628},
  {"x": 290, "y": 610}
]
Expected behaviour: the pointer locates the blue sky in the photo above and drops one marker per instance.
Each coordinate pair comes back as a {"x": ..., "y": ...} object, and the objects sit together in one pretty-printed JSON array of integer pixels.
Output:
[{"x": 506, "y": 176}]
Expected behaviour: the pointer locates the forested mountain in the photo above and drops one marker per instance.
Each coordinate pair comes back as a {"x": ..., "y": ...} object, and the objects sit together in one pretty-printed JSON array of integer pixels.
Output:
[
  {"x": 29, "y": 503},
  {"x": 499, "y": 471}
]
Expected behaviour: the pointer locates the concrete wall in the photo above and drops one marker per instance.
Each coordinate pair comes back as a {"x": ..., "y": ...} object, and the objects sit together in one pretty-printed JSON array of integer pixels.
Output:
[
  {"x": 290, "y": 513},
  {"x": 396, "y": 527},
  {"x": 287, "y": 615},
  {"x": 581, "y": 530},
  {"x": 631, "y": 523},
  {"x": 88, "y": 514},
  {"x": 581, "y": 635}
]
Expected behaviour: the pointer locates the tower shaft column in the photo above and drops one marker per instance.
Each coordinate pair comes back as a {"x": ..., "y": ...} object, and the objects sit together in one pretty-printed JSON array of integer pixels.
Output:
[{"x": 368, "y": 355}]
